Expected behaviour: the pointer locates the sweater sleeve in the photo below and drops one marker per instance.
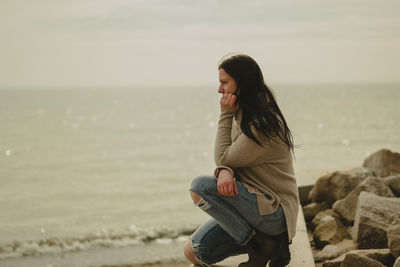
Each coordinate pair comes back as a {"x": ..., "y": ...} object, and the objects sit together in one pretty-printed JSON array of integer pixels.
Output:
[{"x": 244, "y": 152}]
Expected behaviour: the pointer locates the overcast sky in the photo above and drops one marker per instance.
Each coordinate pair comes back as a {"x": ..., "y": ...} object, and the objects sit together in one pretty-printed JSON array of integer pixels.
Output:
[{"x": 90, "y": 43}]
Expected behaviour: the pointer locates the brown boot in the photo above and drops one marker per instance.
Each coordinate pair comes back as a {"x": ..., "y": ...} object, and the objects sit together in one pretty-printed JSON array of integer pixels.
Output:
[
  {"x": 262, "y": 248},
  {"x": 282, "y": 257}
]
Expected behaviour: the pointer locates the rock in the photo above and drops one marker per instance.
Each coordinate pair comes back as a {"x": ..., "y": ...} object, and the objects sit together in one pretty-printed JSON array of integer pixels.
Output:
[
  {"x": 383, "y": 162},
  {"x": 393, "y": 236},
  {"x": 347, "y": 206},
  {"x": 333, "y": 251},
  {"x": 346, "y": 245},
  {"x": 394, "y": 183},
  {"x": 373, "y": 216},
  {"x": 337, "y": 185},
  {"x": 329, "y": 231},
  {"x": 350, "y": 230},
  {"x": 313, "y": 209},
  {"x": 328, "y": 252},
  {"x": 320, "y": 216},
  {"x": 381, "y": 255},
  {"x": 397, "y": 262},
  {"x": 334, "y": 263},
  {"x": 354, "y": 260}
]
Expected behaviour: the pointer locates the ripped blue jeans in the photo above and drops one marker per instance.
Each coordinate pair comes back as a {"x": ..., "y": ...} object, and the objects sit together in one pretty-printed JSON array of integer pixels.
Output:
[{"x": 233, "y": 224}]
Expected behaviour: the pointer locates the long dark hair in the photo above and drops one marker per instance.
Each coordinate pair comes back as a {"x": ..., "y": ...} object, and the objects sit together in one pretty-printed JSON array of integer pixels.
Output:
[{"x": 256, "y": 100}]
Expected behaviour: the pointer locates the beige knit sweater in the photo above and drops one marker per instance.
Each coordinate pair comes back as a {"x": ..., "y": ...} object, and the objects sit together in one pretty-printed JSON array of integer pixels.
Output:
[{"x": 269, "y": 168}]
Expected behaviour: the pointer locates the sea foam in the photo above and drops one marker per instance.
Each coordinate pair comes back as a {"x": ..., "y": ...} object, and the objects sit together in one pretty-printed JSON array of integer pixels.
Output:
[{"x": 104, "y": 239}]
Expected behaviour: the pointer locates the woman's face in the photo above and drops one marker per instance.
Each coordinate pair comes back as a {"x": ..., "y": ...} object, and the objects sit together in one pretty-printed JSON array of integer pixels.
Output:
[{"x": 227, "y": 83}]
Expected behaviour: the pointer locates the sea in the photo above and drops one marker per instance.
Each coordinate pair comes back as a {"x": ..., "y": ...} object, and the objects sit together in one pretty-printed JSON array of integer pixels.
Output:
[{"x": 100, "y": 176}]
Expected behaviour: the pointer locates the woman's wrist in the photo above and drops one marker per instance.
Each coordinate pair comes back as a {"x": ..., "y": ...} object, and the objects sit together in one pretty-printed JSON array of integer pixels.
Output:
[
  {"x": 222, "y": 168},
  {"x": 226, "y": 110},
  {"x": 224, "y": 171}
]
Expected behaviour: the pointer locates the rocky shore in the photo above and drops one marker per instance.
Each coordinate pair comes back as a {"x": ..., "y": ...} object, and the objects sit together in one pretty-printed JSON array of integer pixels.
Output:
[{"x": 353, "y": 216}]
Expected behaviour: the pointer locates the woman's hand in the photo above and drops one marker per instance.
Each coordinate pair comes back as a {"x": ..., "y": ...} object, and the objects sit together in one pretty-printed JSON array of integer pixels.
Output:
[
  {"x": 226, "y": 184},
  {"x": 228, "y": 101}
]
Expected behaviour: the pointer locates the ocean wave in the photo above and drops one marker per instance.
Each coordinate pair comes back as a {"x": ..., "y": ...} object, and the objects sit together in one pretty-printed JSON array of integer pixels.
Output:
[{"x": 102, "y": 239}]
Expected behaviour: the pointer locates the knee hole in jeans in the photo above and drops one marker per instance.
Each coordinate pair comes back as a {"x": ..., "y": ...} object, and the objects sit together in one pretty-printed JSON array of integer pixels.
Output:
[{"x": 202, "y": 204}]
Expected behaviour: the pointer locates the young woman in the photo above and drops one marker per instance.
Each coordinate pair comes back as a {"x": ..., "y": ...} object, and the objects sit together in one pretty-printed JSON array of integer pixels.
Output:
[{"x": 252, "y": 197}]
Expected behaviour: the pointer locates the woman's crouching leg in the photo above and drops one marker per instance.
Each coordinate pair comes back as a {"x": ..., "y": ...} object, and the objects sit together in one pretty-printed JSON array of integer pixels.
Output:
[
  {"x": 204, "y": 191},
  {"x": 211, "y": 244}
]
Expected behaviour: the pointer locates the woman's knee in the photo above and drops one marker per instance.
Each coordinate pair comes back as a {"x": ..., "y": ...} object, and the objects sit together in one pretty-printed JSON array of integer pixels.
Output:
[
  {"x": 188, "y": 252},
  {"x": 196, "y": 198},
  {"x": 199, "y": 184}
]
